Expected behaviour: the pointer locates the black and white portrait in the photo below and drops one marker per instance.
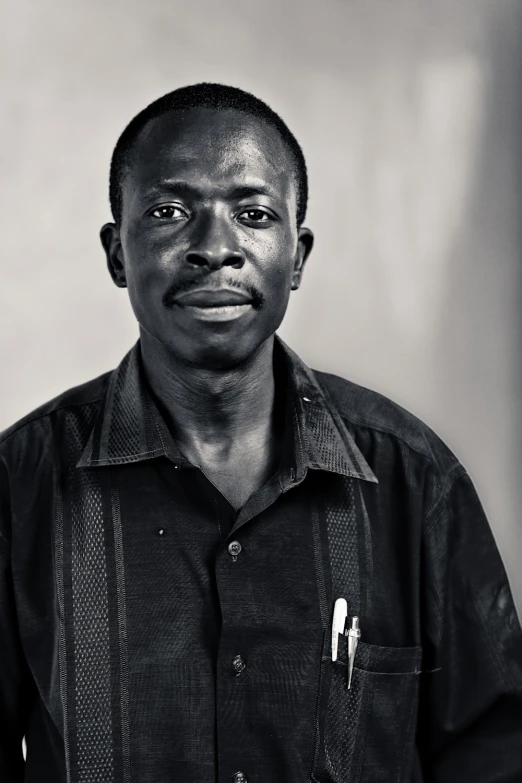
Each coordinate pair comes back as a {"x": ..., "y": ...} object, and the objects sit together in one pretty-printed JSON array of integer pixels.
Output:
[{"x": 260, "y": 421}]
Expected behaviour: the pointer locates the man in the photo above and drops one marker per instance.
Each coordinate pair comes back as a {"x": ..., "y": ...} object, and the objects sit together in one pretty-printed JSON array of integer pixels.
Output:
[{"x": 175, "y": 534}]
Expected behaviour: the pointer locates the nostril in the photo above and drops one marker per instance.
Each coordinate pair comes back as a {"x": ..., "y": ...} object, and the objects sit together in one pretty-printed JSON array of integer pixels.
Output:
[
  {"x": 236, "y": 260},
  {"x": 196, "y": 259}
]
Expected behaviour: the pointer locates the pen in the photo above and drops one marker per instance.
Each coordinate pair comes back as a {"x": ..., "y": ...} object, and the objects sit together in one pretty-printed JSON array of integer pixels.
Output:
[
  {"x": 339, "y": 620},
  {"x": 353, "y": 635}
]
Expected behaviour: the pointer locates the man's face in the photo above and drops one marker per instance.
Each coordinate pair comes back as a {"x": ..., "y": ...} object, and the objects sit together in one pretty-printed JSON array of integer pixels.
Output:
[{"x": 208, "y": 244}]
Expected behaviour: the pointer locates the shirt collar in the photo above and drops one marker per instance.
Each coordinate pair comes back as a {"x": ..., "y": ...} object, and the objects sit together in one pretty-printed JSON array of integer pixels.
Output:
[{"x": 130, "y": 428}]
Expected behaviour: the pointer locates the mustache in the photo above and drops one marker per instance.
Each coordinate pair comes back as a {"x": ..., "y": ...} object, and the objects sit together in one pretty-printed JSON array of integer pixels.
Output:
[{"x": 185, "y": 287}]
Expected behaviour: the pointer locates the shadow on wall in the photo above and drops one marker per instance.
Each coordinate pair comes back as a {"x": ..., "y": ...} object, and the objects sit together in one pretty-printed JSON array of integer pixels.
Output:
[{"x": 479, "y": 333}]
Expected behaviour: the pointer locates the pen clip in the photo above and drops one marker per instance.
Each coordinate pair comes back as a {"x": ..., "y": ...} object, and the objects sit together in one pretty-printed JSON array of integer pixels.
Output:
[
  {"x": 338, "y": 623},
  {"x": 353, "y": 635}
]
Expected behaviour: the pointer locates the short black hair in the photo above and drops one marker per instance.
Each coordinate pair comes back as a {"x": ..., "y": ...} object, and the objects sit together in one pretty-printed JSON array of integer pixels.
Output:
[{"x": 203, "y": 95}]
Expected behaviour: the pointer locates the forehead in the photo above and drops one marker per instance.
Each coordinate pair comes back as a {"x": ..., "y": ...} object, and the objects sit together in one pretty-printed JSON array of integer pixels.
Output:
[{"x": 214, "y": 146}]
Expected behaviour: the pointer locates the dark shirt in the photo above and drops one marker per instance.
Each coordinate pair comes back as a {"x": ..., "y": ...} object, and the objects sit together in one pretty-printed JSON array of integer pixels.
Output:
[{"x": 149, "y": 633}]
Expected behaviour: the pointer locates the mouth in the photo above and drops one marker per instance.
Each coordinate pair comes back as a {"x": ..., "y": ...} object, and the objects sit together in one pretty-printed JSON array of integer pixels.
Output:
[
  {"x": 215, "y": 304},
  {"x": 213, "y": 299},
  {"x": 222, "y": 312}
]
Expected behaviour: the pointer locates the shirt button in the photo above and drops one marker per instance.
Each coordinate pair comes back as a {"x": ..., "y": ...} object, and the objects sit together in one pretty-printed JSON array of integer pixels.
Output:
[
  {"x": 238, "y": 664},
  {"x": 234, "y": 548},
  {"x": 240, "y": 777}
]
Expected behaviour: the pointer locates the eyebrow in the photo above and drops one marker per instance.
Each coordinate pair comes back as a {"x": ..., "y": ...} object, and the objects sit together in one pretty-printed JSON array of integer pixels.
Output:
[
  {"x": 184, "y": 188},
  {"x": 245, "y": 191},
  {"x": 173, "y": 187}
]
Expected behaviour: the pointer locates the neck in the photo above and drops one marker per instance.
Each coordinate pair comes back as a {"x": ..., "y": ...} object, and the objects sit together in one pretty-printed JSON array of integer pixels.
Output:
[{"x": 214, "y": 414}]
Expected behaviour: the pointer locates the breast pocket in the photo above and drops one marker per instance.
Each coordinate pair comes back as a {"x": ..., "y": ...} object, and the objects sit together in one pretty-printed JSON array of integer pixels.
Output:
[{"x": 363, "y": 734}]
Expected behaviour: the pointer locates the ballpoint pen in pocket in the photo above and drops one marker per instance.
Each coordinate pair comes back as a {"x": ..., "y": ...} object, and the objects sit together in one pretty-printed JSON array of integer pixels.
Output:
[
  {"x": 353, "y": 635},
  {"x": 338, "y": 624}
]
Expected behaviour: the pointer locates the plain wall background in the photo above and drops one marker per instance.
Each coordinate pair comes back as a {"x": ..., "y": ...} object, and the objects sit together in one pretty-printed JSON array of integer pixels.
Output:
[{"x": 409, "y": 114}]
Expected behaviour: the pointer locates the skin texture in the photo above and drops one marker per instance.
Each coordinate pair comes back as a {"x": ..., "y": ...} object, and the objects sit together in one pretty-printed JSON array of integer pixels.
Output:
[{"x": 210, "y": 202}]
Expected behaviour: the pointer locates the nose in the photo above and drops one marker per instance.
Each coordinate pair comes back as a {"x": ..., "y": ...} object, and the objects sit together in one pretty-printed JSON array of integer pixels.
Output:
[{"x": 213, "y": 246}]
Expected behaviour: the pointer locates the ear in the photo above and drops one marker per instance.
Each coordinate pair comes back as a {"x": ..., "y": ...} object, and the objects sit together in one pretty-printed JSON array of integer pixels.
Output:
[
  {"x": 110, "y": 239},
  {"x": 305, "y": 242}
]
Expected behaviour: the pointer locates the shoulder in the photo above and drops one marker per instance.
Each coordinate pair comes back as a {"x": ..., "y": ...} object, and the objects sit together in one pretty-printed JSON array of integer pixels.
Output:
[
  {"x": 371, "y": 416},
  {"x": 37, "y": 421}
]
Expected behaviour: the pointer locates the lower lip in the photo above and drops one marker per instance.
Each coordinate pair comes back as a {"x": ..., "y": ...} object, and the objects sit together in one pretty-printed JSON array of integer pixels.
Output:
[{"x": 220, "y": 313}]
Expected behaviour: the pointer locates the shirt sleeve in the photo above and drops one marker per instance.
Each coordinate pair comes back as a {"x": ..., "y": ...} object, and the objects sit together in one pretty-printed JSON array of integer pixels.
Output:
[
  {"x": 470, "y": 714},
  {"x": 15, "y": 677}
]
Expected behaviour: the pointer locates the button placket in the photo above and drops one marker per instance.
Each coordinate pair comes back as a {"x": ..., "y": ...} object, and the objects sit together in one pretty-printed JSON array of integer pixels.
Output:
[{"x": 232, "y": 671}]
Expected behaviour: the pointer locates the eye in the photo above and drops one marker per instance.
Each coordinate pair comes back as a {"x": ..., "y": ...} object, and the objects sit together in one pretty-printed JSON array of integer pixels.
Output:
[
  {"x": 256, "y": 215},
  {"x": 168, "y": 212}
]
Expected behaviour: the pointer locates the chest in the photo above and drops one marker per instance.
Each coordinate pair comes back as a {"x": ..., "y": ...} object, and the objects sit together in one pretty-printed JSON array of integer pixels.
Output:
[
  {"x": 137, "y": 568},
  {"x": 237, "y": 484}
]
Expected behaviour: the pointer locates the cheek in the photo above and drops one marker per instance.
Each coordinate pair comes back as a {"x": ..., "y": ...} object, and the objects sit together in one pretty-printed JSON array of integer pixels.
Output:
[
  {"x": 282, "y": 263},
  {"x": 278, "y": 287},
  {"x": 147, "y": 281},
  {"x": 278, "y": 254},
  {"x": 148, "y": 263},
  {"x": 282, "y": 278}
]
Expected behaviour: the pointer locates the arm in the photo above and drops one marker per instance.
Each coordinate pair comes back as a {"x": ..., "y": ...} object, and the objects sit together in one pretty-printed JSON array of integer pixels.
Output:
[
  {"x": 14, "y": 674},
  {"x": 470, "y": 719}
]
